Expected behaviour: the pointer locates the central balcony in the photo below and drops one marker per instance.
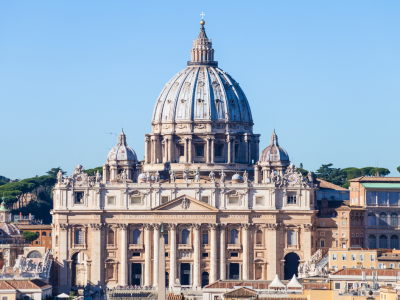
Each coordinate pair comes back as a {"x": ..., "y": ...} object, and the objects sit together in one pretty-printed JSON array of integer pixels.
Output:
[
  {"x": 185, "y": 247},
  {"x": 234, "y": 247},
  {"x": 136, "y": 247}
]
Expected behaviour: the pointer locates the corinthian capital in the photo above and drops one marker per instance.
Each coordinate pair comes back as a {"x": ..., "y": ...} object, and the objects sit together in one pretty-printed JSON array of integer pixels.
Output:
[
  {"x": 213, "y": 226},
  {"x": 196, "y": 225},
  {"x": 122, "y": 226},
  {"x": 172, "y": 226},
  {"x": 307, "y": 227},
  {"x": 245, "y": 226},
  {"x": 64, "y": 226},
  {"x": 156, "y": 226},
  {"x": 96, "y": 226},
  {"x": 147, "y": 226}
]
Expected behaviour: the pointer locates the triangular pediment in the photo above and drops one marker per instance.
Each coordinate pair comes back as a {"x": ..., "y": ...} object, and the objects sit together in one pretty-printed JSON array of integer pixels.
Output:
[{"x": 185, "y": 203}]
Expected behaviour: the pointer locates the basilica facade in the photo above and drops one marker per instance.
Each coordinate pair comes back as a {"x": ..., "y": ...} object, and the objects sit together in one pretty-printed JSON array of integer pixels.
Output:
[{"x": 228, "y": 212}]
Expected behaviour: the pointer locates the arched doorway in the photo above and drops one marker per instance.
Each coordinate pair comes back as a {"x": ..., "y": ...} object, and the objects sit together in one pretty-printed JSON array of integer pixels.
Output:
[
  {"x": 234, "y": 271},
  {"x": 204, "y": 279},
  {"x": 79, "y": 269},
  {"x": 292, "y": 261}
]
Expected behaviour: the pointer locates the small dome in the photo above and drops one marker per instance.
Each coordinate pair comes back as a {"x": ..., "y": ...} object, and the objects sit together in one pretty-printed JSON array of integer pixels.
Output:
[
  {"x": 237, "y": 177},
  {"x": 142, "y": 175},
  {"x": 122, "y": 151},
  {"x": 274, "y": 153}
]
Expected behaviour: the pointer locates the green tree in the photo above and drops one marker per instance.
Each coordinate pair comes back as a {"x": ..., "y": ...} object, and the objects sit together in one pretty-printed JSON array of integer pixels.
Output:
[
  {"x": 54, "y": 171},
  {"x": 30, "y": 236},
  {"x": 92, "y": 172},
  {"x": 398, "y": 169},
  {"x": 334, "y": 175}
]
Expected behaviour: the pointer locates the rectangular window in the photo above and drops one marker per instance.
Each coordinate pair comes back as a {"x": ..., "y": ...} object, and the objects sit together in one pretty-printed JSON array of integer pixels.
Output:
[
  {"x": 343, "y": 245},
  {"x": 234, "y": 200},
  {"x": 234, "y": 254},
  {"x": 362, "y": 257},
  {"x": 135, "y": 254},
  {"x": 44, "y": 242},
  {"x": 79, "y": 197},
  {"x": 291, "y": 198},
  {"x": 205, "y": 254},
  {"x": 4, "y": 297},
  {"x": 322, "y": 223},
  {"x": 50, "y": 234},
  {"x": 111, "y": 200},
  {"x": 334, "y": 256},
  {"x": 205, "y": 238},
  {"x": 204, "y": 199},
  {"x": 135, "y": 200},
  {"x": 371, "y": 197},
  {"x": 200, "y": 150},
  {"x": 391, "y": 266},
  {"x": 164, "y": 199},
  {"x": 37, "y": 242},
  {"x": 343, "y": 267},
  {"x": 372, "y": 257},
  {"x": 181, "y": 150},
  {"x": 165, "y": 235},
  {"x": 344, "y": 257},
  {"x": 259, "y": 200},
  {"x": 380, "y": 266},
  {"x": 354, "y": 257},
  {"x": 322, "y": 243},
  {"x": 50, "y": 242},
  {"x": 218, "y": 150},
  {"x": 166, "y": 254}
]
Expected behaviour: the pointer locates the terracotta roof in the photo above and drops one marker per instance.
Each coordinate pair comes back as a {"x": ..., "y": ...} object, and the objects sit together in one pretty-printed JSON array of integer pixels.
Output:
[
  {"x": 23, "y": 284},
  {"x": 328, "y": 185},
  {"x": 368, "y": 272},
  {"x": 35, "y": 227},
  {"x": 172, "y": 296},
  {"x": 242, "y": 292},
  {"x": 259, "y": 285},
  {"x": 389, "y": 256},
  {"x": 375, "y": 179}
]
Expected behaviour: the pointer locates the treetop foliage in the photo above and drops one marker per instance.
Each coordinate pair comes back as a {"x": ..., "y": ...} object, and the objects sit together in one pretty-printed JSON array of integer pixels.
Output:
[
  {"x": 92, "y": 172},
  {"x": 30, "y": 236}
]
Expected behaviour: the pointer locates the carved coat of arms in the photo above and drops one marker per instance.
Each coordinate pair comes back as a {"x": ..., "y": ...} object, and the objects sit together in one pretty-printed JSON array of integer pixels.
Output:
[{"x": 185, "y": 203}]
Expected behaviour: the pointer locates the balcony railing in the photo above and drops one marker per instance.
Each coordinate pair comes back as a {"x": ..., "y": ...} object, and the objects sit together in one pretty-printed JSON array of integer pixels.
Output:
[
  {"x": 185, "y": 246},
  {"x": 234, "y": 246},
  {"x": 136, "y": 246}
]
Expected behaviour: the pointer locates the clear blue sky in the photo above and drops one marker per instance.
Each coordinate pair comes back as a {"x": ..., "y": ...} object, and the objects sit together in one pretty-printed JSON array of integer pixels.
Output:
[{"x": 326, "y": 74}]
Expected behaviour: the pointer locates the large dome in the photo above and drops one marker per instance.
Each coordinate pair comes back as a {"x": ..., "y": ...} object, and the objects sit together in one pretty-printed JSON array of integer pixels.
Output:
[{"x": 202, "y": 93}]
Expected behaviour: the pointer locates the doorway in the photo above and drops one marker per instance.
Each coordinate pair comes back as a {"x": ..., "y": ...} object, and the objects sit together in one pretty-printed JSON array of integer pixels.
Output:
[
  {"x": 292, "y": 261},
  {"x": 136, "y": 273},
  {"x": 205, "y": 279},
  {"x": 185, "y": 274},
  {"x": 234, "y": 271}
]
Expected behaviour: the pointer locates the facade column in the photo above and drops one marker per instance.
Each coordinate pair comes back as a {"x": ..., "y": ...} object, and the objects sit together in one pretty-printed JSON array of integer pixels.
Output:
[
  {"x": 249, "y": 153},
  {"x": 170, "y": 145},
  {"x": 212, "y": 150},
  {"x": 124, "y": 254},
  {"x": 98, "y": 266},
  {"x": 307, "y": 228},
  {"x": 190, "y": 150},
  {"x": 273, "y": 263},
  {"x": 233, "y": 159},
  {"x": 229, "y": 150},
  {"x": 146, "y": 150},
  {"x": 152, "y": 150},
  {"x": 147, "y": 255},
  {"x": 156, "y": 253},
  {"x": 208, "y": 150},
  {"x": 213, "y": 260},
  {"x": 172, "y": 262},
  {"x": 63, "y": 244},
  {"x": 245, "y": 228},
  {"x": 196, "y": 254},
  {"x": 222, "y": 263},
  {"x": 186, "y": 151}
]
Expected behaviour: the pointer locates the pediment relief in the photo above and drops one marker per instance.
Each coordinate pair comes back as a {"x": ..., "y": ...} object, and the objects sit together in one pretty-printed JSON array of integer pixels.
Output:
[{"x": 185, "y": 203}]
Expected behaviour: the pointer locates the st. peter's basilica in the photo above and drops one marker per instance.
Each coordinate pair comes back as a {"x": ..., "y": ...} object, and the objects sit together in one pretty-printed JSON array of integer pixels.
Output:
[{"x": 229, "y": 212}]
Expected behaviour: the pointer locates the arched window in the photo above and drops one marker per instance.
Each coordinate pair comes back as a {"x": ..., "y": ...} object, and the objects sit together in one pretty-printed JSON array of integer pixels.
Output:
[
  {"x": 136, "y": 237},
  {"x": 259, "y": 237},
  {"x": 394, "y": 219},
  {"x": 110, "y": 237},
  {"x": 372, "y": 241},
  {"x": 394, "y": 242},
  {"x": 79, "y": 237},
  {"x": 371, "y": 219},
  {"x": 291, "y": 237},
  {"x": 43, "y": 233},
  {"x": 382, "y": 219},
  {"x": 383, "y": 242},
  {"x": 234, "y": 236},
  {"x": 34, "y": 254},
  {"x": 185, "y": 236}
]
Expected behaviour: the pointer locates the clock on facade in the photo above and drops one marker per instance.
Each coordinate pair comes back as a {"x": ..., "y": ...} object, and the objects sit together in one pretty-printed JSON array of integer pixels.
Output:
[{"x": 292, "y": 179}]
